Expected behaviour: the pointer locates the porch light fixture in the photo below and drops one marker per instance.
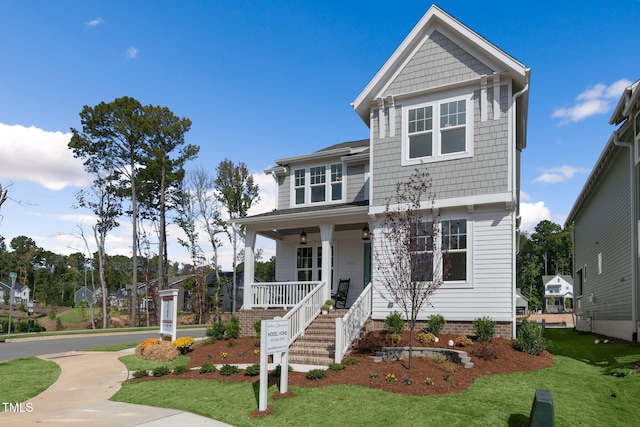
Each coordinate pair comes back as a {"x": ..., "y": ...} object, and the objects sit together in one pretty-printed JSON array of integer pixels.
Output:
[
  {"x": 366, "y": 234},
  {"x": 303, "y": 237}
]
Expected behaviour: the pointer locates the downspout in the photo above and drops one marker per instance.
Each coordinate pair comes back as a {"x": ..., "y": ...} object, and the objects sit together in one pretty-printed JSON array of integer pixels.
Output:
[
  {"x": 515, "y": 197},
  {"x": 634, "y": 237}
]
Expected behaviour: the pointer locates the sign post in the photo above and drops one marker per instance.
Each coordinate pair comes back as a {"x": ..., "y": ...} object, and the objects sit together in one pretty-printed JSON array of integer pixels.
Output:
[
  {"x": 169, "y": 313},
  {"x": 274, "y": 338},
  {"x": 13, "y": 283}
]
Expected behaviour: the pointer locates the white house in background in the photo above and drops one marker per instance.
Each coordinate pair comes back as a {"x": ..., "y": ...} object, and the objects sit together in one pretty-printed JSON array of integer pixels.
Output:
[
  {"x": 606, "y": 231},
  {"x": 558, "y": 292},
  {"x": 21, "y": 293},
  {"x": 449, "y": 101}
]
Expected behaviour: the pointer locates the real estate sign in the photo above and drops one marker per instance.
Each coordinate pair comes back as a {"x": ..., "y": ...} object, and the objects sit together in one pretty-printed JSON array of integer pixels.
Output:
[
  {"x": 168, "y": 313},
  {"x": 274, "y": 338}
]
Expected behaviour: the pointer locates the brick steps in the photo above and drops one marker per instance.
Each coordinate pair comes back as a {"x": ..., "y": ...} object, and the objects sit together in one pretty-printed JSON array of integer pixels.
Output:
[{"x": 317, "y": 345}]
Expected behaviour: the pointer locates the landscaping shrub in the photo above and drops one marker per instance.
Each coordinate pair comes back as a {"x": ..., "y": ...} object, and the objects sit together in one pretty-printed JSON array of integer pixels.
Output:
[
  {"x": 316, "y": 374},
  {"x": 394, "y": 339},
  {"x": 351, "y": 361},
  {"x": 425, "y": 338},
  {"x": 252, "y": 370},
  {"x": 278, "y": 371},
  {"x": 435, "y": 323},
  {"x": 140, "y": 373},
  {"x": 529, "y": 338},
  {"x": 336, "y": 367},
  {"x": 216, "y": 331},
  {"x": 368, "y": 344},
  {"x": 394, "y": 323},
  {"x": 160, "y": 371},
  {"x": 232, "y": 328},
  {"x": 178, "y": 370},
  {"x": 462, "y": 341},
  {"x": 227, "y": 370},
  {"x": 484, "y": 328},
  {"x": 184, "y": 342},
  {"x": 485, "y": 350},
  {"x": 207, "y": 367},
  {"x": 163, "y": 352}
]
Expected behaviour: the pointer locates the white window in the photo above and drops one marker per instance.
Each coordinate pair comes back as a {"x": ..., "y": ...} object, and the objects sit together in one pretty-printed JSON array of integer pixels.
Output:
[
  {"x": 600, "y": 263},
  {"x": 437, "y": 130},
  {"x": 451, "y": 250},
  {"x": 317, "y": 184},
  {"x": 304, "y": 264}
]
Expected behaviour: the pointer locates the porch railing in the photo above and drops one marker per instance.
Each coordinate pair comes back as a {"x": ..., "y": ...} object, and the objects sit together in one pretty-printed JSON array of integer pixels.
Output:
[
  {"x": 280, "y": 294},
  {"x": 348, "y": 327},
  {"x": 305, "y": 311},
  {"x": 578, "y": 307}
]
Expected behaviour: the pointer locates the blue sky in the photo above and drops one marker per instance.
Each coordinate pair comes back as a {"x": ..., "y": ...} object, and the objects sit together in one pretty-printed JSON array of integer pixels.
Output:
[{"x": 265, "y": 80}]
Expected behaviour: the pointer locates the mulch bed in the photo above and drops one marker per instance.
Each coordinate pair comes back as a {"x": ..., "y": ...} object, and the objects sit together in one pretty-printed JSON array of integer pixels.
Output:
[{"x": 446, "y": 377}]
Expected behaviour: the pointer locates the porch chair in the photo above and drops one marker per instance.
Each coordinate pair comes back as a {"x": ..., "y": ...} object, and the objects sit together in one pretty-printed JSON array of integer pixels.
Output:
[{"x": 340, "y": 297}]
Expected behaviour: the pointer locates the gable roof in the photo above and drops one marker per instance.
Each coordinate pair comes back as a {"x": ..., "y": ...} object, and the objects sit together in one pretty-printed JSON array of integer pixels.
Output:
[
  {"x": 343, "y": 150},
  {"x": 547, "y": 279},
  {"x": 437, "y": 19}
]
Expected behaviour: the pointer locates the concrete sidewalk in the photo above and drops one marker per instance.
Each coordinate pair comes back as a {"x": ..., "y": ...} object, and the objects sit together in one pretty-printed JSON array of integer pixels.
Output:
[{"x": 81, "y": 395}]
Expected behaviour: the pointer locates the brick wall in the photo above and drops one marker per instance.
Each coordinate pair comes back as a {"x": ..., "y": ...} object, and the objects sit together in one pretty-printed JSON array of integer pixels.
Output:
[
  {"x": 502, "y": 329},
  {"x": 249, "y": 317}
]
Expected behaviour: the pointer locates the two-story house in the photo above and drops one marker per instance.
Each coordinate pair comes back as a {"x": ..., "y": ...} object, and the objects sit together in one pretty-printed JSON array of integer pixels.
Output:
[
  {"x": 606, "y": 231},
  {"x": 558, "y": 292},
  {"x": 21, "y": 293},
  {"x": 446, "y": 100}
]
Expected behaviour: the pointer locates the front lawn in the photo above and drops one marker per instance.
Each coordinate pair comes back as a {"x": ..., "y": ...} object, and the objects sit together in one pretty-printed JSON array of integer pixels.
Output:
[
  {"x": 23, "y": 379},
  {"x": 584, "y": 393}
]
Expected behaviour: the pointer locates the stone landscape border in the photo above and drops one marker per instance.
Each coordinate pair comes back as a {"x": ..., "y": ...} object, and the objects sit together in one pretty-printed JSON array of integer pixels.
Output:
[{"x": 397, "y": 353}]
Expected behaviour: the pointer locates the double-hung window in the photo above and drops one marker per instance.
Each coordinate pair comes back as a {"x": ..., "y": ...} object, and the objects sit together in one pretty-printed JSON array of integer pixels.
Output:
[
  {"x": 437, "y": 130},
  {"x": 447, "y": 255},
  {"x": 317, "y": 184}
]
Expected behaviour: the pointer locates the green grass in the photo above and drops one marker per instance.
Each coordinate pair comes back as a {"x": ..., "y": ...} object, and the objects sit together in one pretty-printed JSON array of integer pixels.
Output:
[
  {"x": 583, "y": 394},
  {"x": 134, "y": 363},
  {"x": 97, "y": 331},
  {"x": 75, "y": 315},
  {"x": 114, "y": 347},
  {"x": 22, "y": 379}
]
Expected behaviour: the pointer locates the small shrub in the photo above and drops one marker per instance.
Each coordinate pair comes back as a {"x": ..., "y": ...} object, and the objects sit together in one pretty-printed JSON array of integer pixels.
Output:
[
  {"x": 232, "y": 343},
  {"x": 435, "y": 323},
  {"x": 436, "y": 358},
  {"x": 252, "y": 370},
  {"x": 232, "y": 328},
  {"x": 184, "y": 342},
  {"x": 316, "y": 374},
  {"x": 428, "y": 381},
  {"x": 140, "y": 373},
  {"x": 390, "y": 378},
  {"x": 207, "y": 367},
  {"x": 406, "y": 381},
  {"x": 449, "y": 379},
  {"x": 216, "y": 331},
  {"x": 394, "y": 323},
  {"x": 449, "y": 366},
  {"x": 484, "y": 328},
  {"x": 530, "y": 339},
  {"x": 426, "y": 338},
  {"x": 278, "y": 370},
  {"x": 351, "y": 361},
  {"x": 393, "y": 339},
  {"x": 486, "y": 351},
  {"x": 179, "y": 370},
  {"x": 227, "y": 370},
  {"x": 462, "y": 341},
  {"x": 373, "y": 375},
  {"x": 336, "y": 367},
  {"x": 257, "y": 326},
  {"x": 59, "y": 325},
  {"x": 160, "y": 371}
]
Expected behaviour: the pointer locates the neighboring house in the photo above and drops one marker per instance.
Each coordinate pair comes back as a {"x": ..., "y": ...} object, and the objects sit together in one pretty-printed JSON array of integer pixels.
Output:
[
  {"x": 84, "y": 294},
  {"x": 449, "y": 101},
  {"x": 605, "y": 236},
  {"x": 21, "y": 293},
  {"x": 522, "y": 303},
  {"x": 558, "y": 292}
]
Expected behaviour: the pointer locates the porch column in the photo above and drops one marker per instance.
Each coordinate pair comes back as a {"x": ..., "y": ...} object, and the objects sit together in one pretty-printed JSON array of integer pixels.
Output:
[
  {"x": 326, "y": 234},
  {"x": 249, "y": 268}
]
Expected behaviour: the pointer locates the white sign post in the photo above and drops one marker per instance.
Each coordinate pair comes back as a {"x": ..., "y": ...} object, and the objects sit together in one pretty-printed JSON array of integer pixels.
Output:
[
  {"x": 169, "y": 313},
  {"x": 274, "y": 338}
]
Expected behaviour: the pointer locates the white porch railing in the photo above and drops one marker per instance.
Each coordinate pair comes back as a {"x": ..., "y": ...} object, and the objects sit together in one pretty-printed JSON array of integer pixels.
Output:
[
  {"x": 305, "y": 311},
  {"x": 348, "y": 327},
  {"x": 280, "y": 294},
  {"x": 578, "y": 307}
]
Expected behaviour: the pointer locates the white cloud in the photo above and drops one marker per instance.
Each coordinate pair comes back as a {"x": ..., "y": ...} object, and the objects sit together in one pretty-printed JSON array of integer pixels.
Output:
[
  {"x": 39, "y": 156},
  {"x": 558, "y": 174},
  {"x": 595, "y": 100},
  {"x": 267, "y": 190},
  {"x": 532, "y": 214},
  {"x": 524, "y": 196},
  {"x": 132, "y": 52},
  {"x": 94, "y": 22}
]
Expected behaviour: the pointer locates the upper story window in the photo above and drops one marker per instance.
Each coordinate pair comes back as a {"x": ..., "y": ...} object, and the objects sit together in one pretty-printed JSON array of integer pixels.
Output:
[
  {"x": 437, "y": 130},
  {"x": 318, "y": 184}
]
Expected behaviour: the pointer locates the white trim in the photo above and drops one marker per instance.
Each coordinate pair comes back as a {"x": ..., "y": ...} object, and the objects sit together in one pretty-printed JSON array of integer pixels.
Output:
[
  {"x": 436, "y": 102},
  {"x": 381, "y": 119},
  {"x": 392, "y": 117},
  {"x": 483, "y": 99},
  {"x": 496, "y": 96},
  {"x": 462, "y": 202}
]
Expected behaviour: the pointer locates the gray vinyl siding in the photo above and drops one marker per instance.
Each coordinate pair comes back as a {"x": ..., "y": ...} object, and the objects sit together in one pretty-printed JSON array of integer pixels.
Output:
[
  {"x": 284, "y": 192},
  {"x": 487, "y": 172},
  {"x": 355, "y": 183},
  {"x": 603, "y": 226},
  {"x": 439, "y": 61},
  {"x": 491, "y": 291}
]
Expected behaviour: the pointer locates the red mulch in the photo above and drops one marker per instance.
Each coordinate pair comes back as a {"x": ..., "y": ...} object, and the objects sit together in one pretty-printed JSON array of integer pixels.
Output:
[{"x": 507, "y": 360}]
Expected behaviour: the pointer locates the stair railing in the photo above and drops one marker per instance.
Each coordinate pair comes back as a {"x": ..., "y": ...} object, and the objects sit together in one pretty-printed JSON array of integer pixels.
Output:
[
  {"x": 348, "y": 327},
  {"x": 305, "y": 312}
]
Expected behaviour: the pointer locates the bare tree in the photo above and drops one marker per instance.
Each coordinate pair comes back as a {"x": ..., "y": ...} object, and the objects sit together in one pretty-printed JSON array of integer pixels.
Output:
[
  {"x": 3, "y": 194},
  {"x": 410, "y": 267}
]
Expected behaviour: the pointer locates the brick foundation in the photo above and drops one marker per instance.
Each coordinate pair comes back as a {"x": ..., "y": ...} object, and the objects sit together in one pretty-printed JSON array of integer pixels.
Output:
[
  {"x": 502, "y": 329},
  {"x": 249, "y": 317}
]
